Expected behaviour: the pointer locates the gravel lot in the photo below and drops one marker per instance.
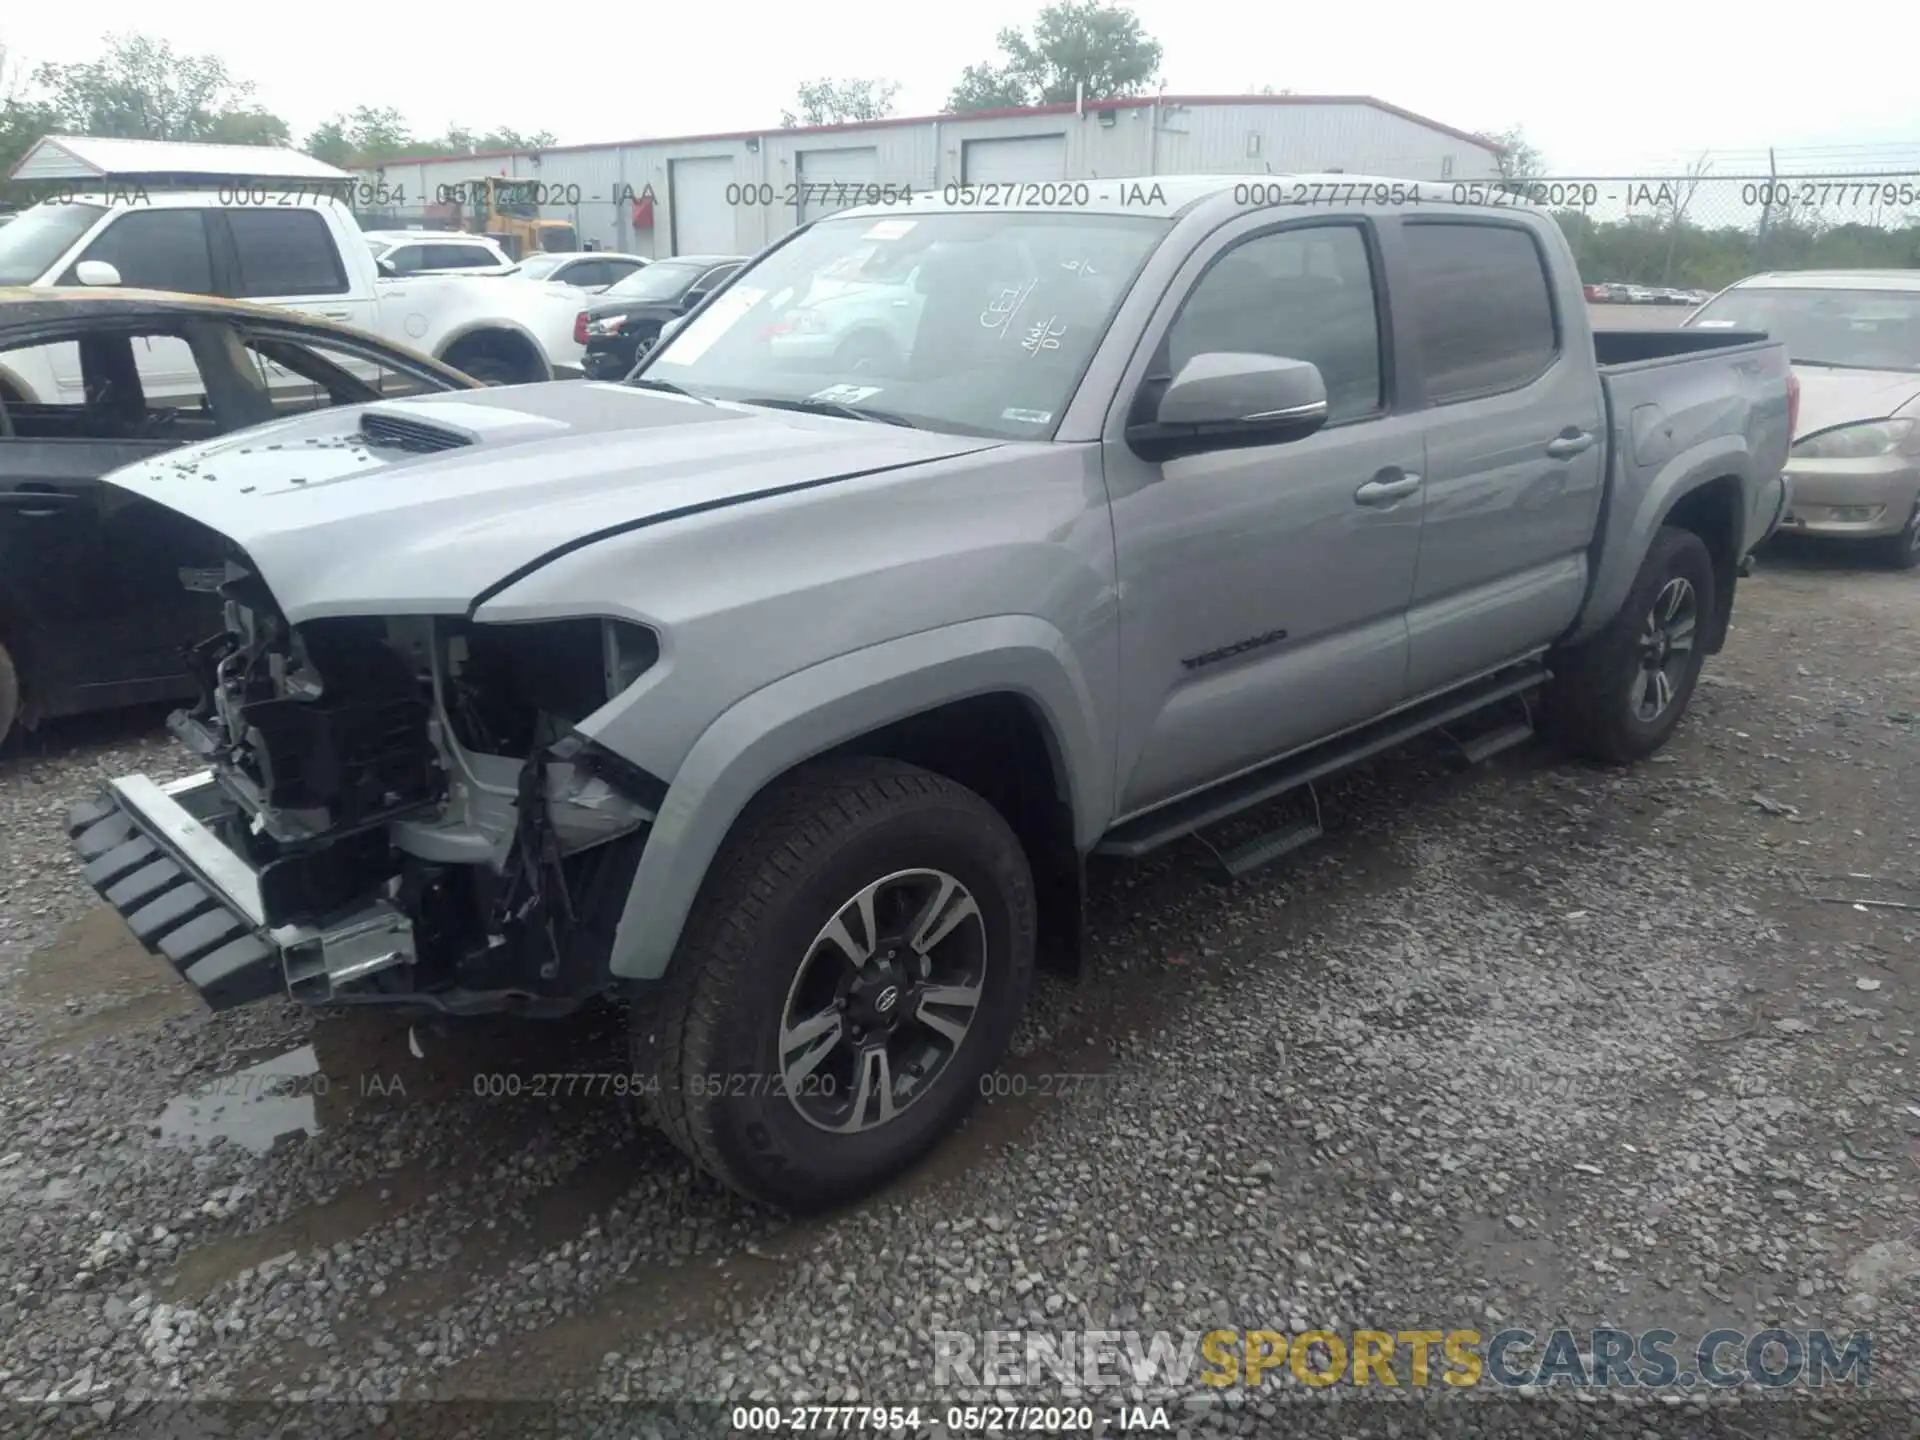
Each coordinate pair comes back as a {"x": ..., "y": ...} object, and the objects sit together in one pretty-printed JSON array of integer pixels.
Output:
[{"x": 1531, "y": 1044}]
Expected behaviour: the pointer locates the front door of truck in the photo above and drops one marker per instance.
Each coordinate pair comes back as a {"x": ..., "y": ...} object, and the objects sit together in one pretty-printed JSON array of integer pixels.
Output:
[{"x": 1264, "y": 589}]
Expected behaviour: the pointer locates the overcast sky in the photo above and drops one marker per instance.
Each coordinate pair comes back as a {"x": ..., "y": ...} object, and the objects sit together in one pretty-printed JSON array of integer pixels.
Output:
[{"x": 1631, "y": 87}]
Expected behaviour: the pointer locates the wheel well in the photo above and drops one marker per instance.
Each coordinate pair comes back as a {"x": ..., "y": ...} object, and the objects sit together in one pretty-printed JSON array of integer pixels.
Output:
[
  {"x": 999, "y": 748},
  {"x": 506, "y": 345},
  {"x": 1713, "y": 512}
]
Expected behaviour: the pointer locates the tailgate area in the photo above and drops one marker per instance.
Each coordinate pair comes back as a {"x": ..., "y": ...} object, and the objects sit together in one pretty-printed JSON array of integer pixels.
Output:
[{"x": 183, "y": 893}]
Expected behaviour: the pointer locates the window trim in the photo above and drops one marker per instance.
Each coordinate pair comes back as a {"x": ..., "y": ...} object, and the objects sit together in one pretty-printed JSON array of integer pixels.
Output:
[
  {"x": 249, "y": 330},
  {"x": 235, "y": 283},
  {"x": 1429, "y": 399},
  {"x": 1387, "y": 405}
]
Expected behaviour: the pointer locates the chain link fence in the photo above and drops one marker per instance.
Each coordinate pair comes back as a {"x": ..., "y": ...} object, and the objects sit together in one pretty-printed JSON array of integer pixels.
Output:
[{"x": 1704, "y": 231}]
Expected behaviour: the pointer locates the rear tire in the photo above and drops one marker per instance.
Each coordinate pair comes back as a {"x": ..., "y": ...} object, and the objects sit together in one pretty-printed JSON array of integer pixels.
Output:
[
  {"x": 9, "y": 695},
  {"x": 764, "y": 1078},
  {"x": 1902, "y": 551},
  {"x": 1618, "y": 697}
]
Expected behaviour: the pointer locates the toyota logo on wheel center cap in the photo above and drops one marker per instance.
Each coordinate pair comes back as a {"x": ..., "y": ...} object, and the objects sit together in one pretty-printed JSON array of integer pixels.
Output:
[{"x": 886, "y": 999}]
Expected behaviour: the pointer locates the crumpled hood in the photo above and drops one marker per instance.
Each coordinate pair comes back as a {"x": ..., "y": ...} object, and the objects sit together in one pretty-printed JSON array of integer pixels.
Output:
[
  {"x": 339, "y": 521},
  {"x": 1843, "y": 397}
]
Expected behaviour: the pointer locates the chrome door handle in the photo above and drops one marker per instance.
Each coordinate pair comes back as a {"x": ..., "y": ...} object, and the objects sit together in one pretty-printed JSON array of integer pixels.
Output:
[
  {"x": 1385, "y": 492},
  {"x": 1565, "y": 447},
  {"x": 336, "y": 314}
]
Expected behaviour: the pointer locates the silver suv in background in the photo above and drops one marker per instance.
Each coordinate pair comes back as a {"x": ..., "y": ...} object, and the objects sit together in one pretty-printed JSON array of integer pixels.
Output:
[
  {"x": 436, "y": 252},
  {"x": 1854, "y": 339}
]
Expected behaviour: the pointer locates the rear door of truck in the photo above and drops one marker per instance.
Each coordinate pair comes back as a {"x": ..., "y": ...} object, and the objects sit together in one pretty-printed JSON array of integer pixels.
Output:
[{"x": 1515, "y": 436}]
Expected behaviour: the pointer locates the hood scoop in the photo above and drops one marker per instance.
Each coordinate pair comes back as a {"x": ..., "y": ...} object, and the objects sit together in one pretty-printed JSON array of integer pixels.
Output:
[{"x": 409, "y": 433}]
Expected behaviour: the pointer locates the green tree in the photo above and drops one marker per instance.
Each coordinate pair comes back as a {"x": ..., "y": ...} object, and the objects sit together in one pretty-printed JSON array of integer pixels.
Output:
[
  {"x": 23, "y": 118},
  {"x": 1519, "y": 158},
  {"x": 841, "y": 102},
  {"x": 1077, "y": 46},
  {"x": 369, "y": 135},
  {"x": 141, "y": 89}
]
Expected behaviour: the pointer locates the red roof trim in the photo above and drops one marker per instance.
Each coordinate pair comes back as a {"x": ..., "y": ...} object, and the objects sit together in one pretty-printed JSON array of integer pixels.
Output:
[{"x": 1065, "y": 108}]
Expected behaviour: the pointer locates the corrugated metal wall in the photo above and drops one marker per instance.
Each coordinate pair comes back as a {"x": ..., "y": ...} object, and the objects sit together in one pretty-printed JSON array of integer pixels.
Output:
[{"x": 1187, "y": 139}]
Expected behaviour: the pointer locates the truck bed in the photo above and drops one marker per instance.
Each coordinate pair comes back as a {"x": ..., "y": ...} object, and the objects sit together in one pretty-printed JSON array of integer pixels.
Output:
[{"x": 1617, "y": 349}]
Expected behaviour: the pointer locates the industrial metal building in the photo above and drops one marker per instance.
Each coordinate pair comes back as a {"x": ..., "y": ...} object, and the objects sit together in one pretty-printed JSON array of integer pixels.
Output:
[{"x": 733, "y": 193}]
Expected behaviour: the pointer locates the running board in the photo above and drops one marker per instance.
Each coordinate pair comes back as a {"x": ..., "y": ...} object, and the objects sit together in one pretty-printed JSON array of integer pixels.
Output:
[
  {"x": 1146, "y": 833},
  {"x": 1230, "y": 865},
  {"x": 1485, "y": 747}
]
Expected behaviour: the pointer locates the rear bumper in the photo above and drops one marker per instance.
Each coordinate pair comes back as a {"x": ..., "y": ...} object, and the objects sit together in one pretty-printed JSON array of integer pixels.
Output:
[
  {"x": 184, "y": 894},
  {"x": 152, "y": 855}
]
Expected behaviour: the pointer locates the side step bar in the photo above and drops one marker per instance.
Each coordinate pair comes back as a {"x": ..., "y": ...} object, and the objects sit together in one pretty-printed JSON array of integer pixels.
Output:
[{"x": 1146, "y": 833}]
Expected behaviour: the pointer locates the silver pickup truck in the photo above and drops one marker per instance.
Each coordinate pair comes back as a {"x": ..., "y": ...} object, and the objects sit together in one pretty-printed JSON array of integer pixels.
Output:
[{"x": 784, "y": 692}]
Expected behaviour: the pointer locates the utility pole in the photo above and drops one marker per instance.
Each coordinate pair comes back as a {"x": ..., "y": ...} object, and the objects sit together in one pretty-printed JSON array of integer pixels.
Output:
[{"x": 1766, "y": 212}]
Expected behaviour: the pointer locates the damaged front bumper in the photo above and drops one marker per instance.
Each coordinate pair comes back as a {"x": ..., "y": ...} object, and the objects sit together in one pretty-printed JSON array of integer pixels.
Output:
[{"x": 152, "y": 854}]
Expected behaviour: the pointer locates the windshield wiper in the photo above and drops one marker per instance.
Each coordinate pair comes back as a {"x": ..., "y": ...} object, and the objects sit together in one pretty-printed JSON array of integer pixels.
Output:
[
  {"x": 833, "y": 407},
  {"x": 648, "y": 383}
]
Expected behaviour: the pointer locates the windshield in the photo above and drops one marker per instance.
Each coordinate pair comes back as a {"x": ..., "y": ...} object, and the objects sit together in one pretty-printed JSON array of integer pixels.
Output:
[
  {"x": 662, "y": 280},
  {"x": 538, "y": 267},
  {"x": 31, "y": 244},
  {"x": 1853, "y": 329},
  {"x": 979, "y": 323}
]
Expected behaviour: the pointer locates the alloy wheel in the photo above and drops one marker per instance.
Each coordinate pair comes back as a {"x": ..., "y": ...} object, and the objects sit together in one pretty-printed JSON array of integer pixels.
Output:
[{"x": 882, "y": 1001}]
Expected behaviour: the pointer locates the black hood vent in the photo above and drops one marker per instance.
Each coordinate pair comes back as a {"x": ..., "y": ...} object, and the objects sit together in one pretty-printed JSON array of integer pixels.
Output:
[{"x": 401, "y": 432}]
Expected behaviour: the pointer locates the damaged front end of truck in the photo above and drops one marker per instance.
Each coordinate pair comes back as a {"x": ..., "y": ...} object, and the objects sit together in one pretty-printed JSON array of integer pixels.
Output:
[{"x": 394, "y": 811}]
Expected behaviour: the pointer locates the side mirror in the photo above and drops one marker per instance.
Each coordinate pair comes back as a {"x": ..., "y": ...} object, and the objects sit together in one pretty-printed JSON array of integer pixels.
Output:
[
  {"x": 1225, "y": 400},
  {"x": 385, "y": 267},
  {"x": 96, "y": 272},
  {"x": 692, "y": 301}
]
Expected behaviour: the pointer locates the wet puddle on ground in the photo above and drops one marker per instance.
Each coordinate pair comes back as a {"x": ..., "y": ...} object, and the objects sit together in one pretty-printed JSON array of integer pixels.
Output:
[{"x": 253, "y": 1108}]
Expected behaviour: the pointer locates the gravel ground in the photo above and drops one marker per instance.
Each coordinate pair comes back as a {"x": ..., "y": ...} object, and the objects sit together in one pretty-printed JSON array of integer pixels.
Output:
[{"x": 1528, "y": 1045}]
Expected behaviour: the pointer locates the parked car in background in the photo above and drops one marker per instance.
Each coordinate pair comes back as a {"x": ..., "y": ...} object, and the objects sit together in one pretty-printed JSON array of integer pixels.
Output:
[
  {"x": 582, "y": 269},
  {"x": 789, "y": 707},
  {"x": 312, "y": 257},
  {"x": 1596, "y": 294},
  {"x": 436, "y": 252},
  {"x": 625, "y": 319},
  {"x": 1854, "y": 338},
  {"x": 93, "y": 613}
]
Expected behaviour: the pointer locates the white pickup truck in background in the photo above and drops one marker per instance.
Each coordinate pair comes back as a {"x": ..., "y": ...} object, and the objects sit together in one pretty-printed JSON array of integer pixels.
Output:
[{"x": 300, "y": 251}]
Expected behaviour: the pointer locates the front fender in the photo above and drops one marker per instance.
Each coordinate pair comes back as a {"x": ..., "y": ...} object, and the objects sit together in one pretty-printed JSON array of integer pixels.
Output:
[
  {"x": 813, "y": 710},
  {"x": 1638, "y": 509}
]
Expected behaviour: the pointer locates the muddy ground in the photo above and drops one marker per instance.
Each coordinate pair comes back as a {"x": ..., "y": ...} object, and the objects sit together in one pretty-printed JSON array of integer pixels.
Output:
[{"x": 1529, "y": 1045}]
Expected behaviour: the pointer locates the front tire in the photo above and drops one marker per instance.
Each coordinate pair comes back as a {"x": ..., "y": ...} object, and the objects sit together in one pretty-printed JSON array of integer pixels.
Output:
[
  {"x": 1619, "y": 696},
  {"x": 859, "y": 954}
]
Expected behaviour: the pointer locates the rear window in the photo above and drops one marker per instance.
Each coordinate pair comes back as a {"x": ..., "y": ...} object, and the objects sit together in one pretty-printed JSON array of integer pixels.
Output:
[
  {"x": 285, "y": 252},
  {"x": 1482, "y": 306}
]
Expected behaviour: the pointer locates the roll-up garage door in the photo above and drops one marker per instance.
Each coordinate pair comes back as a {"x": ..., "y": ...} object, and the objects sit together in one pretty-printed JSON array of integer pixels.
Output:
[
  {"x": 832, "y": 180},
  {"x": 1029, "y": 157},
  {"x": 703, "y": 218}
]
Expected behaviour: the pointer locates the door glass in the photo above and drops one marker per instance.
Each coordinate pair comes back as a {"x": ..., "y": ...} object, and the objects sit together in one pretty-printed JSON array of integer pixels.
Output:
[
  {"x": 1482, "y": 308},
  {"x": 285, "y": 252},
  {"x": 585, "y": 275},
  {"x": 155, "y": 250},
  {"x": 1301, "y": 295}
]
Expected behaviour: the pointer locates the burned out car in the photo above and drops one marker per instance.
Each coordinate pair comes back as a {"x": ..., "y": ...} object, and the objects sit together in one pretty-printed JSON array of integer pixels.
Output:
[
  {"x": 93, "y": 613},
  {"x": 787, "y": 703}
]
